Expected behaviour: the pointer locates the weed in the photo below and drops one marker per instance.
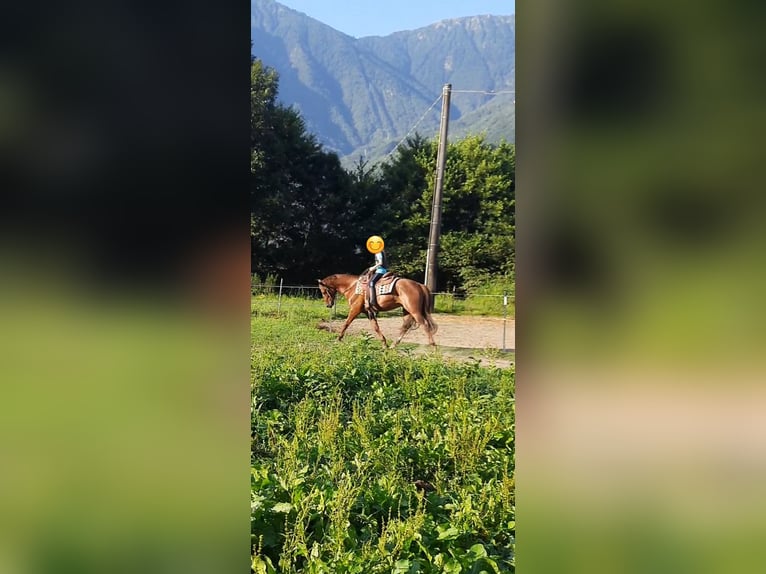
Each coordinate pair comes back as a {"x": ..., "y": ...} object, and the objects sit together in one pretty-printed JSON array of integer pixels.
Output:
[{"x": 343, "y": 432}]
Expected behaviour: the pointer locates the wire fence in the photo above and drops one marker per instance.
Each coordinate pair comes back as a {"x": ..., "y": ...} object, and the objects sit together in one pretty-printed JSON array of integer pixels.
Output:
[{"x": 280, "y": 300}]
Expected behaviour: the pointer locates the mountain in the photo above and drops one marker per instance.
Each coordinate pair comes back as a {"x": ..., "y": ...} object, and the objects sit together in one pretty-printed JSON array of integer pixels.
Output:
[{"x": 360, "y": 96}]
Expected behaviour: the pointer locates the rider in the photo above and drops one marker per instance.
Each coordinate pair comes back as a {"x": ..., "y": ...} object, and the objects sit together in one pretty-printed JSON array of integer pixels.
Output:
[{"x": 377, "y": 270}]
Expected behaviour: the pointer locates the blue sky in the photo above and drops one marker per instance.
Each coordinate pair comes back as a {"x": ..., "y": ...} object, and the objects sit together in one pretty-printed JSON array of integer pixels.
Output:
[{"x": 381, "y": 17}]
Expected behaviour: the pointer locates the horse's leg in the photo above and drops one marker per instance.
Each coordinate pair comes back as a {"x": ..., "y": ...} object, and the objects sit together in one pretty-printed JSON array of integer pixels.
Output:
[
  {"x": 427, "y": 325},
  {"x": 430, "y": 333},
  {"x": 352, "y": 314},
  {"x": 406, "y": 326},
  {"x": 417, "y": 306},
  {"x": 424, "y": 319},
  {"x": 421, "y": 320},
  {"x": 377, "y": 330}
]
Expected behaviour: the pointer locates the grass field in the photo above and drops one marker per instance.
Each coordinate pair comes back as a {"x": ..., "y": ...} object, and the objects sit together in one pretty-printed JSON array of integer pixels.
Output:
[
  {"x": 373, "y": 461},
  {"x": 488, "y": 302}
]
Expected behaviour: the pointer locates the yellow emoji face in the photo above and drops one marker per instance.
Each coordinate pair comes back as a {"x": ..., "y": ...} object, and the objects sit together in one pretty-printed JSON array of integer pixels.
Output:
[{"x": 375, "y": 244}]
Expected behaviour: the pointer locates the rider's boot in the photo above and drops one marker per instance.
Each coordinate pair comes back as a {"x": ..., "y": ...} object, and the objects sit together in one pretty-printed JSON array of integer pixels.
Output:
[{"x": 370, "y": 303}]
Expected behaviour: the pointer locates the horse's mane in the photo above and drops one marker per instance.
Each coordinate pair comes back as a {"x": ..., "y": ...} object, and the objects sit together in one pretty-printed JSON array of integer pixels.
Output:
[{"x": 337, "y": 276}]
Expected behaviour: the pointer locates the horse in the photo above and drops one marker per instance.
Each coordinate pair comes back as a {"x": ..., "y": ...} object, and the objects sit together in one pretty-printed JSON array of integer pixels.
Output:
[{"x": 415, "y": 298}]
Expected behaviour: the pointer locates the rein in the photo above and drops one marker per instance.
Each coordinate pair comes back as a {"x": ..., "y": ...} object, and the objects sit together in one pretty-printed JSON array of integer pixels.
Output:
[{"x": 334, "y": 290}]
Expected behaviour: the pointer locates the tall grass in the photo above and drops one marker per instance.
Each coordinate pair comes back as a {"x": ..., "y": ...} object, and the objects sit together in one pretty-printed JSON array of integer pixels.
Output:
[
  {"x": 292, "y": 308},
  {"x": 367, "y": 461}
]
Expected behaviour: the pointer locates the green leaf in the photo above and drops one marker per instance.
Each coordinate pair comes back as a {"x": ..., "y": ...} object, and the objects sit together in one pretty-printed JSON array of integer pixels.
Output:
[
  {"x": 283, "y": 507},
  {"x": 401, "y": 566},
  {"x": 424, "y": 550},
  {"x": 492, "y": 563},
  {"x": 478, "y": 551},
  {"x": 447, "y": 533}
]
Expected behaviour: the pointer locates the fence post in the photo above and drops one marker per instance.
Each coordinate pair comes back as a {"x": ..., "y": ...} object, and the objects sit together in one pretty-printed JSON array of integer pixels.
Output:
[
  {"x": 505, "y": 316},
  {"x": 279, "y": 298}
]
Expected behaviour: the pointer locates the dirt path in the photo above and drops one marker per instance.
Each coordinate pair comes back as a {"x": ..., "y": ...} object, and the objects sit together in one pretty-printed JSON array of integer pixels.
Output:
[{"x": 457, "y": 336}]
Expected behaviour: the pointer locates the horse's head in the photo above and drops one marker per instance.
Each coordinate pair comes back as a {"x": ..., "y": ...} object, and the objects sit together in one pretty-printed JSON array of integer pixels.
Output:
[{"x": 328, "y": 293}]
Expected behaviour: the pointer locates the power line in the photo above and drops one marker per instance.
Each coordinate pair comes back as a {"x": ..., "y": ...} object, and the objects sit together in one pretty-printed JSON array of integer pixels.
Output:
[
  {"x": 486, "y": 92},
  {"x": 414, "y": 126}
]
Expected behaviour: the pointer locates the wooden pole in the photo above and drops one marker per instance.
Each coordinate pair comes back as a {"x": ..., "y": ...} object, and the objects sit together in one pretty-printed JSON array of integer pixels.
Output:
[
  {"x": 505, "y": 316},
  {"x": 436, "y": 208}
]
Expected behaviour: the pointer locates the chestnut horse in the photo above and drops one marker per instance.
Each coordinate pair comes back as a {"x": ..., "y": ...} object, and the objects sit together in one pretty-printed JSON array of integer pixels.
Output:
[{"x": 413, "y": 297}]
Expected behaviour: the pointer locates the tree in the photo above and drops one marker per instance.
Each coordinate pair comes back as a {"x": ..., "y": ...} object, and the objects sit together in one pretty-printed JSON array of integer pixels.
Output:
[
  {"x": 478, "y": 219},
  {"x": 310, "y": 217},
  {"x": 303, "y": 204},
  {"x": 478, "y": 233},
  {"x": 400, "y": 220}
]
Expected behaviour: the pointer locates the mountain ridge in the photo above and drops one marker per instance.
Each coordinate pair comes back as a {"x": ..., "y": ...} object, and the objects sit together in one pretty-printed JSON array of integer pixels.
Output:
[{"x": 360, "y": 96}]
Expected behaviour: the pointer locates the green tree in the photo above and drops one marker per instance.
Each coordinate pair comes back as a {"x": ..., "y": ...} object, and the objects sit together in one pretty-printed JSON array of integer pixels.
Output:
[
  {"x": 310, "y": 217},
  {"x": 478, "y": 209},
  {"x": 401, "y": 184},
  {"x": 303, "y": 204},
  {"x": 478, "y": 222}
]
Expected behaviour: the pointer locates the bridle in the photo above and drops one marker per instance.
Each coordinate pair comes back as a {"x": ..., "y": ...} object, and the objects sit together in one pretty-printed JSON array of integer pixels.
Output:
[{"x": 333, "y": 291}]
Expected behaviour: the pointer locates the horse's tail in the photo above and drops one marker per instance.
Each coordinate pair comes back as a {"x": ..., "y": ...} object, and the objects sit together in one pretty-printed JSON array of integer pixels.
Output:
[{"x": 427, "y": 307}]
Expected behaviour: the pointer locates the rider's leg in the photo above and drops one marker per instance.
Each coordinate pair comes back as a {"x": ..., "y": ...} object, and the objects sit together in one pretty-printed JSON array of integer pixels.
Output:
[{"x": 373, "y": 299}]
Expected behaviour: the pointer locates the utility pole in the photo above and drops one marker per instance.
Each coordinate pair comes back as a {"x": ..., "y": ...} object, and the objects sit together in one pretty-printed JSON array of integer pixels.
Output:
[{"x": 436, "y": 208}]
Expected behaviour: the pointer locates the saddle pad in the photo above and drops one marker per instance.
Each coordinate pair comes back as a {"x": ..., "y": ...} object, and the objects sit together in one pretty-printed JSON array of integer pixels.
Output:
[{"x": 386, "y": 289}]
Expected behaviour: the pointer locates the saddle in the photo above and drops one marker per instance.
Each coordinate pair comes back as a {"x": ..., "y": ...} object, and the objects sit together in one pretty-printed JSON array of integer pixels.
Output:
[{"x": 383, "y": 286}]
